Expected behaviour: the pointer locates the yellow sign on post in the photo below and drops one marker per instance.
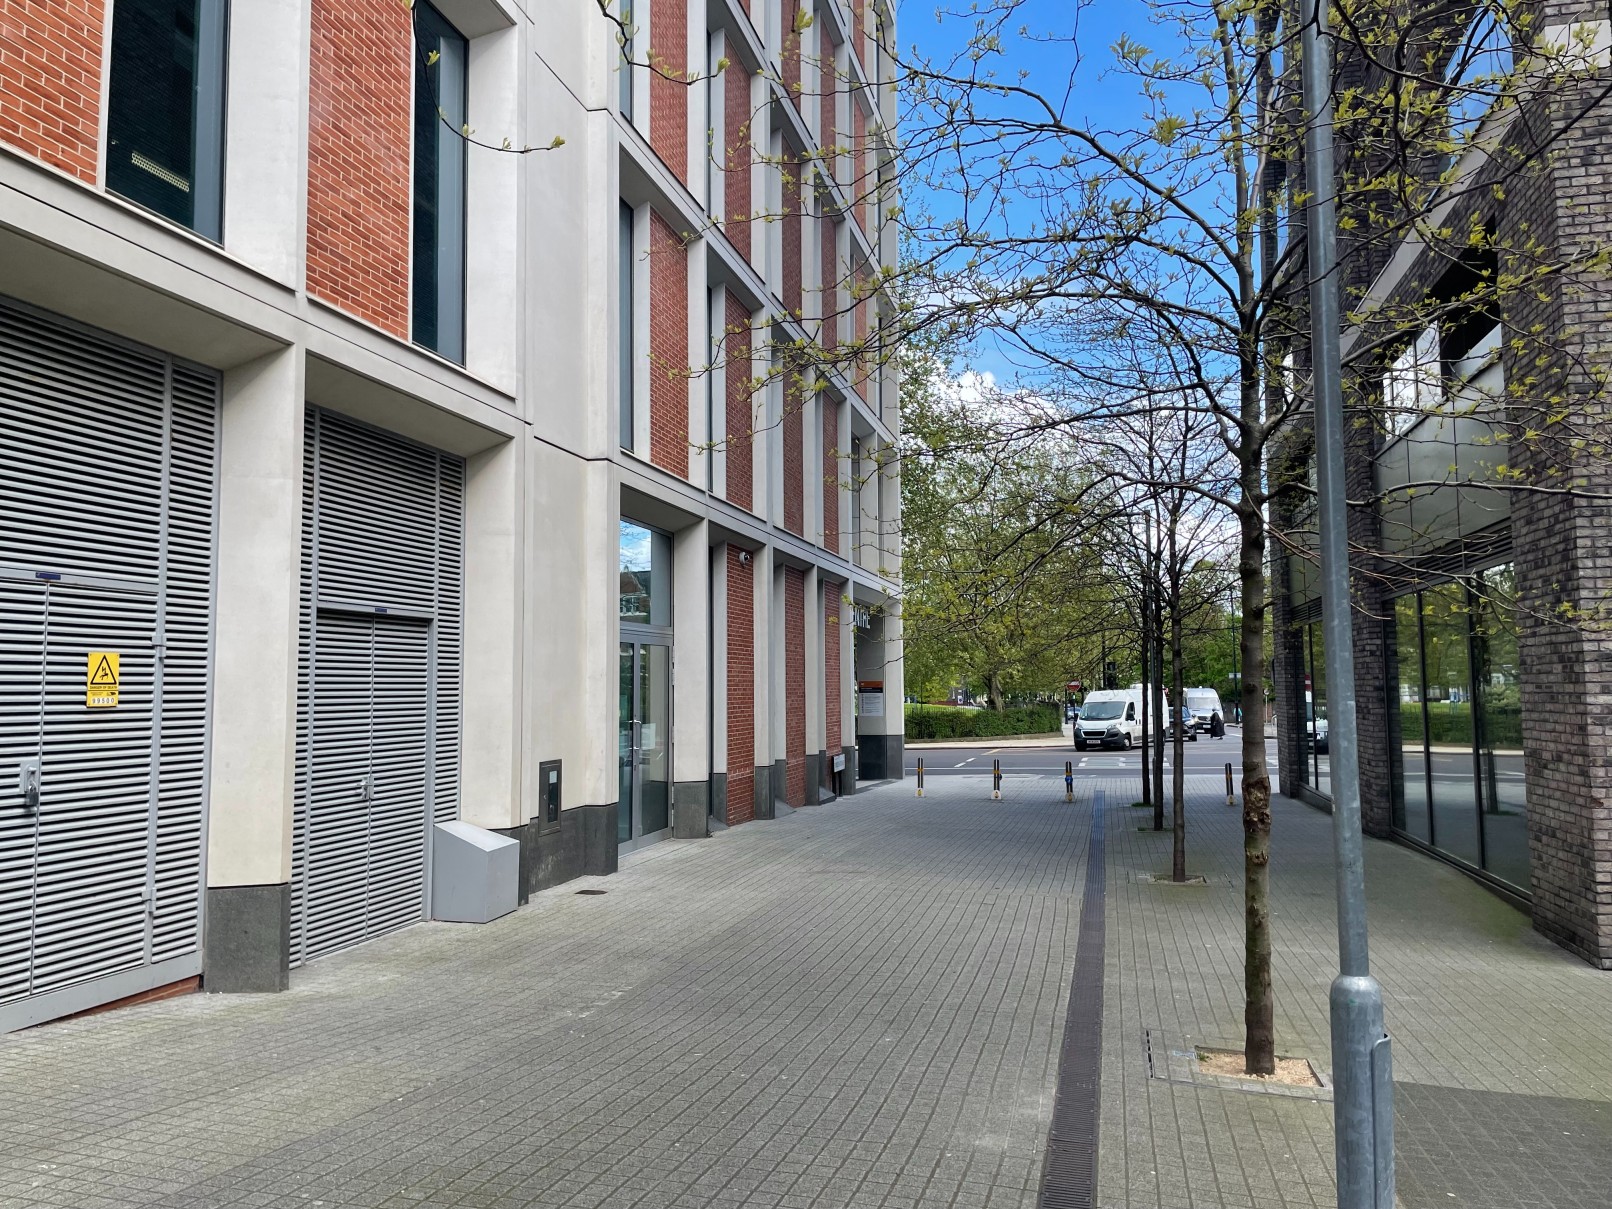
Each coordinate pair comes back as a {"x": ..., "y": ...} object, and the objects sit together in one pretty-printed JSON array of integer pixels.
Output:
[{"x": 101, "y": 676}]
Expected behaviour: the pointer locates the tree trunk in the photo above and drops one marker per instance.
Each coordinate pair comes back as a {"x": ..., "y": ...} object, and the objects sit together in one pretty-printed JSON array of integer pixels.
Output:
[
  {"x": 1259, "y": 1006},
  {"x": 1156, "y": 637},
  {"x": 1146, "y": 643},
  {"x": 993, "y": 690},
  {"x": 1178, "y": 693}
]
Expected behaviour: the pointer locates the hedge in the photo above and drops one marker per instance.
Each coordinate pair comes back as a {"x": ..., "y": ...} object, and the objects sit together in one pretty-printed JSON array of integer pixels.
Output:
[
  {"x": 949, "y": 722},
  {"x": 1450, "y": 723}
]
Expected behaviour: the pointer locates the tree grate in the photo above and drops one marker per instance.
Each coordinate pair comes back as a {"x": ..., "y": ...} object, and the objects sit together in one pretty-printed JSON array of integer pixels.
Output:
[{"x": 1069, "y": 1170}]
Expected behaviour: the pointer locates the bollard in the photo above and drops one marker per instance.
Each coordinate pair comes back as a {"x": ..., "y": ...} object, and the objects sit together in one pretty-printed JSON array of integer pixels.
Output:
[
  {"x": 1069, "y": 780},
  {"x": 1231, "y": 797},
  {"x": 921, "y": 776},
  {"x": 996, "y": 780}
]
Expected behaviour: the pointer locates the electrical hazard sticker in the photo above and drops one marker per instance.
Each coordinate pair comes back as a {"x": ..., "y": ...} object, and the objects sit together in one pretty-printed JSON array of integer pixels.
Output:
[{"x": 101, "y": 680}]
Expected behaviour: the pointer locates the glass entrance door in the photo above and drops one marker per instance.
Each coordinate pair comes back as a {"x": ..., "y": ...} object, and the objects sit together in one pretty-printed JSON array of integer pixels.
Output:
[{"x": 644, "y": 742}]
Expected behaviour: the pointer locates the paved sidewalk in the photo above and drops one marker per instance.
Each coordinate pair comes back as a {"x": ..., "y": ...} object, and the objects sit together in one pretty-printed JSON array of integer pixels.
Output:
[
  {"x": 860, "y": 1005},
  {"x": 1502, "y": 1042}
]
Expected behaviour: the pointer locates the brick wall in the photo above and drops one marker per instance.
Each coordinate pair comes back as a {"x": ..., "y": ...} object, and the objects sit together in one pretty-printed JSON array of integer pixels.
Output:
[
  {"x": 789, "y": 23},
  {"x": 859, "y": 28},
  {"x": 860, "y": 185},
  {"x": 794, "y": 686},
  {"x": 828, "y": 90},
  {"x": 50, "y": 81},
  {"x": 791, "y": 236},
  {"x": 828, "y": 239},
  {"x": 739, "y": 405},
  {"x": 668, "y": 93},
  {"x": 831, "y": 474},
  {"x": 668, "y": 348},
  {"x": 859, "y": 372},
  {"x": 737, "y": 117},
  {"x": 794, "y": 426},
  {"x": 833, "y": 691},
  {"x": 741, "y": 689},
  {"x": 360, "y": 151}
]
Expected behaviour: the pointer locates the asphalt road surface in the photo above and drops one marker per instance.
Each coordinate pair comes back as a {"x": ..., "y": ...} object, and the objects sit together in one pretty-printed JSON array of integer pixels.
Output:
[{"x": 1203, "y": 757}]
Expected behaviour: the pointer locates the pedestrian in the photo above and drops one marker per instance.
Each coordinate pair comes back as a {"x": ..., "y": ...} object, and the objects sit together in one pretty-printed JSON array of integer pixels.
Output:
[{"x": 1217, "y": 725}]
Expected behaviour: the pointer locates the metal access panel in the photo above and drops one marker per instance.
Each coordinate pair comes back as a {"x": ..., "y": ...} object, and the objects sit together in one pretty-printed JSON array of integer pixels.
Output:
[
  {"x": 107, "y": 515},
  {"x": 379, "y": 689}
]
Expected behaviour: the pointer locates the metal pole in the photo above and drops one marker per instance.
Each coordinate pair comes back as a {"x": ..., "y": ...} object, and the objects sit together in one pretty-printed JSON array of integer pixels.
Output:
[
  {"x": 1231, "y": 796},
  {"x": 996, "y": 780},
  {"x": 1069, "y": 780},
  {"x": 920, "y": 776},
  {"x": 1362, "y": 1102}
]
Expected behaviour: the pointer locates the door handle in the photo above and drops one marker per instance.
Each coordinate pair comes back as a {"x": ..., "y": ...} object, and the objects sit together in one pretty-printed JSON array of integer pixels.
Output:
[{"x": 28, "y": 782}]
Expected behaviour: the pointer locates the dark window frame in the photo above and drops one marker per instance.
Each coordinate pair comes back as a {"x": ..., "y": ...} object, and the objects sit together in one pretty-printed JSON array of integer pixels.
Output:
[
  {"x": 195, "y": 195},
  {"x": 439, "y": 178}
]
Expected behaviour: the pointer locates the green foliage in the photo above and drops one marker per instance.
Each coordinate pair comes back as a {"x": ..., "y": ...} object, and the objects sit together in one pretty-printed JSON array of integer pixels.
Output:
[{"x": 952, "y": 722}]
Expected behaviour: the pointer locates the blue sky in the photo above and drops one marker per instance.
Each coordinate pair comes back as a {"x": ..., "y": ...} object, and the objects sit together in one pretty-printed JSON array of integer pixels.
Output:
[{"x": 1094, "y": 25}]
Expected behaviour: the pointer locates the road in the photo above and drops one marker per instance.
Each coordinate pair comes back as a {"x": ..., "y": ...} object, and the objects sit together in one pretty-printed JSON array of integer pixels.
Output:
[{"x": 1206, "y": 756}]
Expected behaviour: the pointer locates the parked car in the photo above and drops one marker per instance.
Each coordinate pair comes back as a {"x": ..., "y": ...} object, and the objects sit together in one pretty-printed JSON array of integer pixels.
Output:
[
  {"x": 1109, "y": 718},
  {"x": 1188, "y": 723}
]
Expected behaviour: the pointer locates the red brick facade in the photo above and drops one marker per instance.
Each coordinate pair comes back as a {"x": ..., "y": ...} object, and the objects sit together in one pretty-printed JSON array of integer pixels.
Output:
[
  {"x": 861, "y": 187},
  {"x": 863, "y": 302},
  {"x": 50, "y": 81},
  {"x": 668, "y": 348},
  {"x": 668, "y": 93},
  {"x": 831, "y": 474},
  {"x": 740, "y": 417},
  {"x": 789, "y": 23},
  {"x": 833, "y": 692},
  {"x": 737, "y": 117},
  {"x": 828, "y": 237},
  {"x": 794, "y": 427},
  {"x": 741, "y": 689},
  {"x": 795, "y": 686},
  {"x": 360, "y": 148},
  {"x": 791, "y": 236},
  {"x": 828, "y": 90}
]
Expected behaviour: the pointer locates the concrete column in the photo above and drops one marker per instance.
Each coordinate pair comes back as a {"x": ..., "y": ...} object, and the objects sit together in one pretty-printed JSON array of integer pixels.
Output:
[
  {"x": 700, "y": 357},
  {"x": 254, "y": 726},
  {"x": 490, "y": 763},
  {"x": 847, "y": 689},
  {"x": 691, "y": 681},
  {"x": 720, "y": 644},
  {"x": 762, "y": 645}
]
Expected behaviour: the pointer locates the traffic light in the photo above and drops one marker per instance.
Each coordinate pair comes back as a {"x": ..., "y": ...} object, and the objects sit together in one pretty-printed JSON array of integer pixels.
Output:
[{"x": 1110, "y": 675}]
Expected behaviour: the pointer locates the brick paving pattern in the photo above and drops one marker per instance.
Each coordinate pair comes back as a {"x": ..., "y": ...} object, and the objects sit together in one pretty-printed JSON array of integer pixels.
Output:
[{"x": 859, "y": 1005}]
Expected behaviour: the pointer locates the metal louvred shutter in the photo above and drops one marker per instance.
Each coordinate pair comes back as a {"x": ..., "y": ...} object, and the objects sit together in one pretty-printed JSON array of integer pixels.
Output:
[
  {"x": 335, "y": 849},
  {"x": 107, "y": 546},
  {"x": 187, "y": 630},
  {"x": 400, "y": 773},
  {"x": 379, "y": 684},
  {"x": 22, "y": 665}
]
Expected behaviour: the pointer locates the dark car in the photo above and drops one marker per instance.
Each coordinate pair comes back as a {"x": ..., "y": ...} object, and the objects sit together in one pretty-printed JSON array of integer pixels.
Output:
[{"x": 1185, "y": 718}]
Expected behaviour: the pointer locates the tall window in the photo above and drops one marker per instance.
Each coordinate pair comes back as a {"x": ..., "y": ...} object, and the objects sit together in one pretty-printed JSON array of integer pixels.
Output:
[
  {"x": 626, "y": 329},
  {"x": 165, "y": 109},
  {"x": 856, "y": 499},
  {"x": 440, "y": 113},
  {"x": 1459, "y": 781}
]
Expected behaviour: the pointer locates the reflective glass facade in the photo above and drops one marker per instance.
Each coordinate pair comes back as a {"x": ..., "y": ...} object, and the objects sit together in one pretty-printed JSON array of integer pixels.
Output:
[{"x": 1455, "y": 723}]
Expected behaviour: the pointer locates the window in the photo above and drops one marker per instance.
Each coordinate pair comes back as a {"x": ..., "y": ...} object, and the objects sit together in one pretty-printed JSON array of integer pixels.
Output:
[
  {"x": 165, "y": 110},
  {"x": 440, "y": 114},
  {"x": 626, "y": 350},
  {"x": 1476, "y": 74},
  {"x": 646, "y": 560},
  {"x": 624, "y": 68},
  {"x": 856, "y": 499},
  {"x": 1459, "y": 777},
  {"x": 1412, "y": 384}
]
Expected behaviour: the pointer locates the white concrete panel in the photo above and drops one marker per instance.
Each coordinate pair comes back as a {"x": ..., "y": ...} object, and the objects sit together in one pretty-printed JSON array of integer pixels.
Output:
[
  {"x": 266, "y": 137},
  {"x": 490, "y": 792},
  {"x": 813, "y": 646},
  {"x": 691, "y": 645},
  {"x": 493, "y": 229},
  {"x": 258, "y": 601}
]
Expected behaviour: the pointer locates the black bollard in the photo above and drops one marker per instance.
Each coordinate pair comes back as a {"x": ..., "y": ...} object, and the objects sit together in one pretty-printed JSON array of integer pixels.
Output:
[
  {"x": 921, "y": 776},
  {"x": 1069, "y": 780},
  {"x": 1231, "y": 797},
  {"x": 996, "y": 780}
]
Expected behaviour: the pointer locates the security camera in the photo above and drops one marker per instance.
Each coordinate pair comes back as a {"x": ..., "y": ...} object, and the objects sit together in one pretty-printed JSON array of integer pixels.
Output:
[{"x": 744, "y": 558}]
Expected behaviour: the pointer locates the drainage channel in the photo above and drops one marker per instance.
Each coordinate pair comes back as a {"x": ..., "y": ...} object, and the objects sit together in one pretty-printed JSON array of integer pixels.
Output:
[{"x": 1069, "y": 1170}]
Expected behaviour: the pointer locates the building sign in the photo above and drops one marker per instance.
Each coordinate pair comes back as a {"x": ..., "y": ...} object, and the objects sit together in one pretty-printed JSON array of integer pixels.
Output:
[
  {"x": 101, "y": 676},
  {"x": 870, "y": 698}
]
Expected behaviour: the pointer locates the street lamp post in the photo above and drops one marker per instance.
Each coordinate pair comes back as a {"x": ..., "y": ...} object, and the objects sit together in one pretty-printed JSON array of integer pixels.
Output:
[{"x": 1362, "y": 1072}]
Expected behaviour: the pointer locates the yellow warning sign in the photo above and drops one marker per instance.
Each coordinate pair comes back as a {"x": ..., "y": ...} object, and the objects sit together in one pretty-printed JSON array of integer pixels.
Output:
[{"x": 101, "y": 679}]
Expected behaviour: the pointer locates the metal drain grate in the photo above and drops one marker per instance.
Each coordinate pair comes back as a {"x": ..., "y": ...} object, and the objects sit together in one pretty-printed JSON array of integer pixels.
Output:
[
  {"x": 593, "y": 892},
  {"x": 1069, "y": 1170}
]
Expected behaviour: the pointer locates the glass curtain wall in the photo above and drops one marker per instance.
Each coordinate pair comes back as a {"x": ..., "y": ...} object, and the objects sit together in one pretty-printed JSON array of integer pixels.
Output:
[
  {"x": 1313, "y": 662},
  {"x": 1458, "y": 757}
]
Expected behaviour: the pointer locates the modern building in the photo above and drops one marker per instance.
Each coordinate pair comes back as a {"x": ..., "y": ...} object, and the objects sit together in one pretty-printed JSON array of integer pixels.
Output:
[
  {"x": 422, "y": 414},
  {"x": 1480, "y": 581}
]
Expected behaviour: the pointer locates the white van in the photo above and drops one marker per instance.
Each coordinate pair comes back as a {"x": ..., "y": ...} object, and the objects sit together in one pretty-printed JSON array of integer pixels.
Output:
[
  {"x": 1203, "y": 702},
  {"x": 1109, "y": 717}
]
